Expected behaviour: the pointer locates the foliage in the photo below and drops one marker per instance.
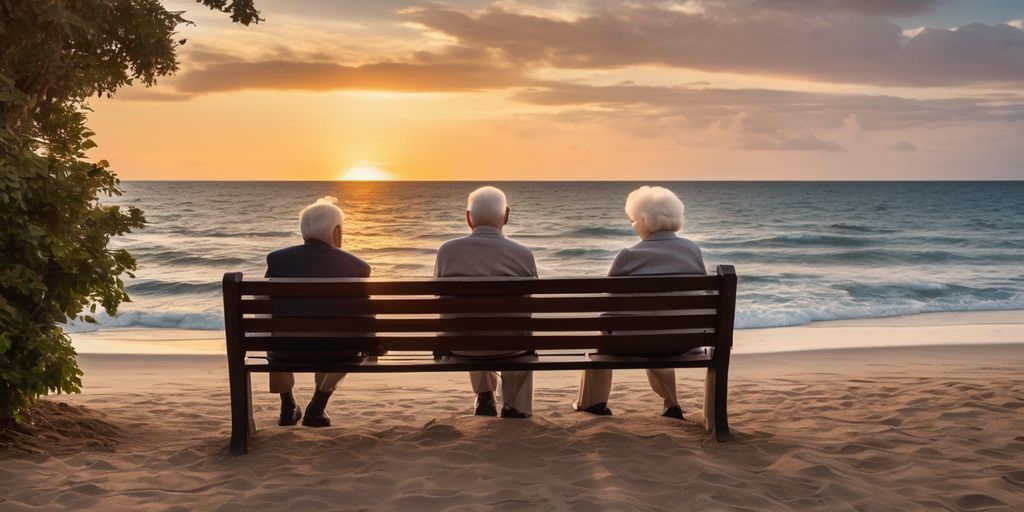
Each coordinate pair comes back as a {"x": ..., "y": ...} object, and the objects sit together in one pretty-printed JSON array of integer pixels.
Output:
[{"x": 55, "y": 262}]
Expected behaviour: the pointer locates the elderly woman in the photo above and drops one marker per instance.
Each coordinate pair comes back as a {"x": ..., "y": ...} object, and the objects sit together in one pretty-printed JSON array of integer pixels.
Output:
[{"x": 656, "y": 214}]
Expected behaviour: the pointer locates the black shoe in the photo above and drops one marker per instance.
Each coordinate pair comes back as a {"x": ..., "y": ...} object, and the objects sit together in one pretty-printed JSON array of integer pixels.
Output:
[
  {"x": 599, "y": 409},
  {"x": 485, "y": 404},
  {"x": 511, "y": 412},
  {"x": 289, "y": 418},
  {"x": 674, "y": 412},
  {"x": 316, "y": 411},
  {"x": 316, "y": 419}
]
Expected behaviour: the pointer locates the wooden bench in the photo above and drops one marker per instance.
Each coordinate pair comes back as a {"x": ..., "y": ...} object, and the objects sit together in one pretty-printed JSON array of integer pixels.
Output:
[{"x": 571, "y": 320}]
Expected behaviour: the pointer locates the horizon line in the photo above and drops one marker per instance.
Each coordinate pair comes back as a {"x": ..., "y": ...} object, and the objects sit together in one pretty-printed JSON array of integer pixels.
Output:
[{"x": 983, "y": 180}]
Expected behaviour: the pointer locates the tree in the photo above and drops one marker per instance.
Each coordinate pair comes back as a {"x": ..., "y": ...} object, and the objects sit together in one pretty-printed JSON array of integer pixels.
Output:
[{"x": 55, "y": 262}]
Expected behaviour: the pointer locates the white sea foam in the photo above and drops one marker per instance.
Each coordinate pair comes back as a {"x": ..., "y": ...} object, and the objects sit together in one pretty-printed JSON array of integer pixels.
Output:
[{"x": 166, "y": 320}]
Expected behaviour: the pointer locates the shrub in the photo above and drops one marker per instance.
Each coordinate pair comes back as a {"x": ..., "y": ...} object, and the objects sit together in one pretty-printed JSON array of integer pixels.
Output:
[{"x": 55, "y": 262}]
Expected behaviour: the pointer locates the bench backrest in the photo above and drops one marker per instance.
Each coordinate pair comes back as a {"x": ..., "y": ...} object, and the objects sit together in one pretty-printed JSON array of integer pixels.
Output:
[{"x": 423, "y": 314}]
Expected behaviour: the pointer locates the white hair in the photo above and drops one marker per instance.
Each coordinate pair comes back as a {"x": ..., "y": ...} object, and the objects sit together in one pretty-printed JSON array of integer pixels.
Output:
[
  {"x": 318, "y": 220},
  {"x": 654, "y": 209},
  {"x": 486, "y": 206}
]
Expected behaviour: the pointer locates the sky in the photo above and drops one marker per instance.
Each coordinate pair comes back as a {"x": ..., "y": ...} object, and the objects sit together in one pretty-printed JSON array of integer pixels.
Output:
[{"x": 591, "y": 90}]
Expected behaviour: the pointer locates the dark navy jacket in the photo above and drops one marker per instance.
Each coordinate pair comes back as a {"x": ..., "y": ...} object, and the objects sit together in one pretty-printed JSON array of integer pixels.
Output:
[
  {"x": 312, "y": 259},
  {"x": 315, "y": 259}
]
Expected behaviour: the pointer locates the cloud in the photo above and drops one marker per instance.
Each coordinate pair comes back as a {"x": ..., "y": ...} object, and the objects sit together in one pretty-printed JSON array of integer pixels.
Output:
[
  {"x": 764, "y": 119},
  {"x": 222, "y": 76},
  {"x": 902, "y": 146},
  {"x": 865, "y": 7},
  {"x": 835, "y": 41},
  {"x": 760, "y": 131},
  {"x": 785, "y": 142},
  {"x": 704, "y": 106}
]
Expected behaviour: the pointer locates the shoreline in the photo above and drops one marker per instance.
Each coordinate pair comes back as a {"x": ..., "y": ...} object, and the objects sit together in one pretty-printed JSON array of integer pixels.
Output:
[{"x": 922, "y": 329}]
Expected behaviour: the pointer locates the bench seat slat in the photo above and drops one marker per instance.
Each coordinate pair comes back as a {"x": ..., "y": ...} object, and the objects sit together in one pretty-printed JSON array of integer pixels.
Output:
[
  {"x": 653, "y": 342},
  {"x": 693, "y": 359},
  {"x": 353, "y": 287},
  {"x": 478, "y": 324},
  {"x": 512, "y": 304}
]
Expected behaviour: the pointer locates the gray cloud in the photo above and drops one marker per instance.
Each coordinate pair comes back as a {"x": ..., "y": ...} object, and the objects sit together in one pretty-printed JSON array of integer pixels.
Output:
[
  {"x": 701, "y": 107},
  {"x": 786, "y": 142},
  {"x": 865, "y": 7},
  {"x": 764, "y": 119},
  {"x": 764, "y": 37}
]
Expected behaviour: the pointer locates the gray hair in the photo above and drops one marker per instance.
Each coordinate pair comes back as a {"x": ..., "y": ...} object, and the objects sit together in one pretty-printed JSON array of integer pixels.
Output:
[
  {"x": 318, "y": 220},
  {"x": 486, "y": 206},
  {"x": 654, "y": 209}
]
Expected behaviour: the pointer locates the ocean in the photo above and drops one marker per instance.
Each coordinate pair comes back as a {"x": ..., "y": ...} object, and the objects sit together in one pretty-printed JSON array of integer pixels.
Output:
[{"x": 804, "y": 251}]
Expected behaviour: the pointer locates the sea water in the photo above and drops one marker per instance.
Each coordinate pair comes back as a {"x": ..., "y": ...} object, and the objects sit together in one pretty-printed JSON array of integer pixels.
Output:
[{"x": 804, "y": 251}]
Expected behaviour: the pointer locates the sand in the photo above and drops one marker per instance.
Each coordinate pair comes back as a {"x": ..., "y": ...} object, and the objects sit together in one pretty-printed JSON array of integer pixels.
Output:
[{"x": 872, "y": 428}]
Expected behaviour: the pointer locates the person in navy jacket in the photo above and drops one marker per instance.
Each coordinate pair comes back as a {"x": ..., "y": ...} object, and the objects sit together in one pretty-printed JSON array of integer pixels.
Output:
[{"x": 320, "y": 255}]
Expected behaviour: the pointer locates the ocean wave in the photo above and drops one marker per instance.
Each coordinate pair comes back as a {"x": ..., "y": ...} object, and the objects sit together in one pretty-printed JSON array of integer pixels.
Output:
[
  {"x": 584, "y": 253},
  {"x": 205, "y": 321},
  {"x": 184, "y": 258},
  {"x": 921, "y": 291},
  {"x": 149, "y": 287},
  {"x": 752, "y": 317},
  {"x": 816, "y": 240},
  {"x": 598, "y": 231},
  {"x": 784, "y": 277},
  {"x": 797, "y": 240},
  {"x": 394, "y": 250},
  {"x": 1001, "y": 244},
  {"x": 440, "y": 235},
  {"x": 863, "y": 257},
  {"x": 220, "y": 233},
  {"x": 854, "y": 228}
]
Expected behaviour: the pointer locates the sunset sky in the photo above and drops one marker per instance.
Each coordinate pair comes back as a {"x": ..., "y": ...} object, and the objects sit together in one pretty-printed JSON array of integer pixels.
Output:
[{"x": 504, "y": 90}]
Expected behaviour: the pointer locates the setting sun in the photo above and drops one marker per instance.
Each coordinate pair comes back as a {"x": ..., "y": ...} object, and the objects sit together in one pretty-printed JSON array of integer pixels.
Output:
[{"x": 365, "y": 172}]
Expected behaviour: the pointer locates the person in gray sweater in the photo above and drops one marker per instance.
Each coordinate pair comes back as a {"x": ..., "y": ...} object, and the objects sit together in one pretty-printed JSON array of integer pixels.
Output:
[
  {"x": 656, "y": 214},
  {"x": 487, "y": 252}
]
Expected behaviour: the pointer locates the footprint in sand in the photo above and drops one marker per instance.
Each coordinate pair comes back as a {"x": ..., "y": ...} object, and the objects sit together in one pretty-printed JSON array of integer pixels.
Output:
[{"x": 977, "y": 502}]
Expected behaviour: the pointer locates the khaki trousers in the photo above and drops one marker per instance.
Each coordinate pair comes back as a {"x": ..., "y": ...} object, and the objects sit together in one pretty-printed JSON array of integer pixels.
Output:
[
  {"x": 596, "y": 386},
  {"x": 283, "y": 382},
  {"x": 516, "y": 388}
]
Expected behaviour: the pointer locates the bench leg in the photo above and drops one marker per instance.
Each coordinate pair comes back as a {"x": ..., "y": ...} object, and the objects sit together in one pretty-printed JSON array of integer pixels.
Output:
[
  {"x": 716, "y": 394},
  {"x": 252, "y": 419},
  {"x": 242, "y": 423}
]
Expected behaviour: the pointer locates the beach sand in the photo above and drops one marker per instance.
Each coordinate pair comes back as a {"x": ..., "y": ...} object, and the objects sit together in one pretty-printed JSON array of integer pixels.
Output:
[{"x": 870, "y": 428}]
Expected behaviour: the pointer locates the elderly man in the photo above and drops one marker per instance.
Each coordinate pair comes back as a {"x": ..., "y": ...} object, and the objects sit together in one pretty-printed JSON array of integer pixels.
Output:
[
  {"x": 656, "y": 214},
  {"x": 319, "y": 256},
  {"x": 488, "y": 252}
]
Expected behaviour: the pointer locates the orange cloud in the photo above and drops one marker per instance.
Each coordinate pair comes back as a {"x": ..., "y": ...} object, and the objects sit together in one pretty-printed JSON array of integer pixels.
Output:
[{"x": 325, "y": 76}]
